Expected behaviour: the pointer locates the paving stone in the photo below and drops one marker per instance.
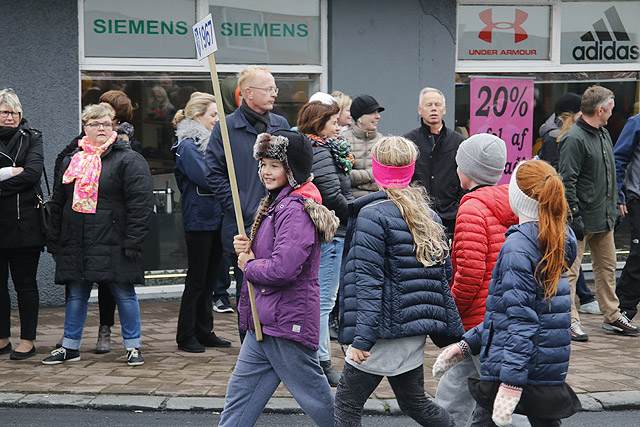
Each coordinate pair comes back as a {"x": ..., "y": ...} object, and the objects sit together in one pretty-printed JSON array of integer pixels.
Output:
[{"x": 589, "y": 403}]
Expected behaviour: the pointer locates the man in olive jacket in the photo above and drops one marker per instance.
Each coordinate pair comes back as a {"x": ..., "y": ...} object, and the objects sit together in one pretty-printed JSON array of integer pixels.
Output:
[{"x": 588, "y": 169}]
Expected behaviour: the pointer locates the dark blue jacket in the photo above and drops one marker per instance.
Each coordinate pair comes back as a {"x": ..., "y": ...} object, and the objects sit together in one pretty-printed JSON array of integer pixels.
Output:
[
  {"x": 242, "y": 137},
  {"x": 385, "y": 292},
  {"x": 200, "y": 209},
  {"x": 627, "y": 155},
  {"x": 524, "y": 339}
]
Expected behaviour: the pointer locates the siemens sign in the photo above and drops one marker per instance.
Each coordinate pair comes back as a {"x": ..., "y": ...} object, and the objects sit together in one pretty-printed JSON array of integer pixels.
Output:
[
  {"x": 598, "y": 34},
  {"x": 139, "y": 29}
]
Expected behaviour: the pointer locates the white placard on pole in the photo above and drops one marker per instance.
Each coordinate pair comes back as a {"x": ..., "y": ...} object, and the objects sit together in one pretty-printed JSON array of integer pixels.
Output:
[
  {"x": 205, "y": 37},
  {"x": 205, "y": 40}
]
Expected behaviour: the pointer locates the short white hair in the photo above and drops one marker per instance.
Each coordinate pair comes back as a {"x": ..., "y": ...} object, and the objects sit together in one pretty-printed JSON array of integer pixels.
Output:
[
  {"x": 430, "y": 89},
  {"x": 9, "y": 97}
]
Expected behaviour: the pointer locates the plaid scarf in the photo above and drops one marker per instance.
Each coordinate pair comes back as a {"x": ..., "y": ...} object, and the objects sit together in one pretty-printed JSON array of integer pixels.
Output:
[{"x": 340, "y": 149}]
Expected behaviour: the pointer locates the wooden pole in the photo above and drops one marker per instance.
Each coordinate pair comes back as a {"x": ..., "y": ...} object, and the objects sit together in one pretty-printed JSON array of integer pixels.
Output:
[{"x": 233, "y": 184}]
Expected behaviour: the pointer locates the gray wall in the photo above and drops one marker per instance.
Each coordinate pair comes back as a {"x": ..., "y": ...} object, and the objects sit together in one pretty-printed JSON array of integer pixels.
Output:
[
  {"x": 40, "y": 62},
  {"x": 391, "y": 50}
]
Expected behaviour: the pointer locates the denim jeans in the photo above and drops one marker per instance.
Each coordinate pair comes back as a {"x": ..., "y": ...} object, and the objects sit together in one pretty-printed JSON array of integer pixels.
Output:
[
  {"x": 356, "y": 386},
  {"x": 260, "y": 368},
  {"x": 329, "y": 276},
  {"x": 582, "y": 290},
  {"x": 76, "y": 314}
]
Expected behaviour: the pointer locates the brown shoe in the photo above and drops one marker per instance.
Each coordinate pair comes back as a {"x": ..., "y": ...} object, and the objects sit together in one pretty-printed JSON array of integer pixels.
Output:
[
  {"x": 104, "y": 340},
  {"x": 621, "y": 326}
]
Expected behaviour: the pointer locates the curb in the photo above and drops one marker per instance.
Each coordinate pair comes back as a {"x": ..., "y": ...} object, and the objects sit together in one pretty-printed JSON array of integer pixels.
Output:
[{"x": 591, "y": 402}]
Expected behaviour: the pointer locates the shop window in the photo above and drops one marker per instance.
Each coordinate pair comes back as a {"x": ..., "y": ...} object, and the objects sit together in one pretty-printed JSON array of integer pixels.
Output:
[
  {"x": 548, "y": 88},
  {"x": 158, "y": 96}
]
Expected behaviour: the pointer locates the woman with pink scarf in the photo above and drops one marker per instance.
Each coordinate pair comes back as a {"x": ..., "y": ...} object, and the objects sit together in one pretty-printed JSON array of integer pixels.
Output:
[{"x": 99, "y": 218}]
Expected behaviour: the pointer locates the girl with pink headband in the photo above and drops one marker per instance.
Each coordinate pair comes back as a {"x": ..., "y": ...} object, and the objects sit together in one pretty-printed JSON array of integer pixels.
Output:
[{"x": 394, "y": 290}]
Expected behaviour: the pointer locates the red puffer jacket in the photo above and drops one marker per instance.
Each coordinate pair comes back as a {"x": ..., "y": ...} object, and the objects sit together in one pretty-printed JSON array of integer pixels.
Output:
[{"x": 482, "y": 221}]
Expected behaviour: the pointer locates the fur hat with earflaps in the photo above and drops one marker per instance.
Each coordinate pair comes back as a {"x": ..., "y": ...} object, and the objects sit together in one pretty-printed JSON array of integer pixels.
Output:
[{"x": 291, "y": 148}]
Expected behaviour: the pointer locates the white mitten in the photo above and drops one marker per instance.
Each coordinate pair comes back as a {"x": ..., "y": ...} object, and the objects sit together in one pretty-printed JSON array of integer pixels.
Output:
[
  {"x": 505, "y": 403},
  {"x": 450, "y": 356}
]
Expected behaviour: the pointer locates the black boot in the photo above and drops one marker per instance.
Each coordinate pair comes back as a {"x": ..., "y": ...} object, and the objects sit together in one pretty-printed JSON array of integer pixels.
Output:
[{"x": 332, "y": 375}]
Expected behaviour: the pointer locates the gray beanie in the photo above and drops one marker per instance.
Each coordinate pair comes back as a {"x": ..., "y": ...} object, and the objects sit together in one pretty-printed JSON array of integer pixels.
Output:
[{"x": 482, "y": 158}]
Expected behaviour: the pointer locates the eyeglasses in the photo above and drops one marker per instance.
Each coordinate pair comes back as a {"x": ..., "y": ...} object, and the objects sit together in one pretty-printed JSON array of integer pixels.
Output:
[
  {"x": 96, "y": 126},
  {"x": 269, "y": 90},
  {"x": 5, "y": 114}
]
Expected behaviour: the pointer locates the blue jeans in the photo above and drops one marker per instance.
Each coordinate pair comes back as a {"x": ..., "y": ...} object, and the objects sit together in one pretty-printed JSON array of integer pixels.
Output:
[
  {"x": 76, "y": 314},
  {"x": 329, "y": 276},
  {"x": 260, "y": 368}
]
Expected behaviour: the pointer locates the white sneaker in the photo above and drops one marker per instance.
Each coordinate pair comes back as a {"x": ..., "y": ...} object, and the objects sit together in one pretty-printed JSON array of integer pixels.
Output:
[
  {"x": 577, "y": 334},
  {"x": 590, "y": 308}
]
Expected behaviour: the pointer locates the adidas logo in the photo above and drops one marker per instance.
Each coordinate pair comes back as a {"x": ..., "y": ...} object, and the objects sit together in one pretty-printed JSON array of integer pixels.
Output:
[{"x": 609, "y": 42}]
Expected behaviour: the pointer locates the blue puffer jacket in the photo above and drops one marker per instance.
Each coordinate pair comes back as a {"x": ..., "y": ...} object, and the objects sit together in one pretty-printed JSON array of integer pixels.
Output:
[
  {"x": 200, "y": 209},
  {"x": 524, "y": 339},
  {"x": 385, "y": 292}
]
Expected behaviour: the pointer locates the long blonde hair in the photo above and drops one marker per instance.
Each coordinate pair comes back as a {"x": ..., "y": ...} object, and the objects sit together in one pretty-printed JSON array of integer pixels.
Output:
[
  {"x": 567, "y": 122},
  {"x": 414, "y": 203}
]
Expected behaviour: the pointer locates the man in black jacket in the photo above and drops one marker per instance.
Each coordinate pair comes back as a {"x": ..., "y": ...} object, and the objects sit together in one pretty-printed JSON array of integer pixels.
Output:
[{"x": 436, "y": 165}]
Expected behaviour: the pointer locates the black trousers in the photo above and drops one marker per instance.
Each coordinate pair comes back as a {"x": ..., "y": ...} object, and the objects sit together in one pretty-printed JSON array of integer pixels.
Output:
[
  {"x": 23, "y": 263},
  {"x": 204, "y": 250},
  {"x": 106, "y": 303},
  {"x": 356, "y": 386},
  {"x": 628, "y": 287}
]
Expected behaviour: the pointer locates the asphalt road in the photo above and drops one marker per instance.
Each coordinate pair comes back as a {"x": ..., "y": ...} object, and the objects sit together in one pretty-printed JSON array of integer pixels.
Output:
[{"x": 99, "y": 418}]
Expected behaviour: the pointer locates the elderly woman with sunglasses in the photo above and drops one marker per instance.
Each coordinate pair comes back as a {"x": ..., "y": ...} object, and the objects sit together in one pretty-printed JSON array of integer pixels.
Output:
[
  {"x": 99, "y": 218},
  {"x": 21, "y": 163}
]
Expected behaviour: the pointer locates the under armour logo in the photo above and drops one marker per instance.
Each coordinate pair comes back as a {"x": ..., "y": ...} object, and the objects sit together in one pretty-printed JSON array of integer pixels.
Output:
[{"x": 486, "y": 16}]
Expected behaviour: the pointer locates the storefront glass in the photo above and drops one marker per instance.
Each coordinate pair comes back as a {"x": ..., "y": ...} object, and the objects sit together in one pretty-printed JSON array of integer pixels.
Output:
[
  {"x": 158, "y": 96},
  {"x": 548, "y": 88}
]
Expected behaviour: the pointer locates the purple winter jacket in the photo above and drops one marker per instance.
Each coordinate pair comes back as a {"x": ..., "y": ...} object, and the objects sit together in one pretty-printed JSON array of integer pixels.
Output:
[{"x": 284, "y": 272}]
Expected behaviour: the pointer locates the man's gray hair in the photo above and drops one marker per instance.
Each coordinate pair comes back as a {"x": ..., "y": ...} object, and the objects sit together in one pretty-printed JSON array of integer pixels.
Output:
[
  {"x": 594, "y": 97},
  {"x": 430, "y": 89}
]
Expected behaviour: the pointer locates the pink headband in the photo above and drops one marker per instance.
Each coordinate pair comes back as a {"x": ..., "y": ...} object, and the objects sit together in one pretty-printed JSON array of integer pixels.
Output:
[{"x": 392, "y": 176}]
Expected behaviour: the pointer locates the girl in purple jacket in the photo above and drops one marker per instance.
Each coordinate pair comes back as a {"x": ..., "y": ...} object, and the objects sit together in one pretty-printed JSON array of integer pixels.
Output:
[{"x": 282, "y": 260}]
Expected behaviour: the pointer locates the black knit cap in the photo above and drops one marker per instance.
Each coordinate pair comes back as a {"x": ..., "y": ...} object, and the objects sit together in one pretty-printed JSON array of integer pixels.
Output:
[
  {"x": 364, "y": 104},
  {"x": 291, "y": 148},
  {"x": 569, "y": 102}
]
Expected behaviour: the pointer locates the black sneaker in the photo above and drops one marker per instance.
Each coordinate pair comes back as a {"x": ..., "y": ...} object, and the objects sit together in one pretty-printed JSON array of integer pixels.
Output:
[
  {"x": 61, "y": 355},
  {"x": 134, "y": 358},
  {"x": 223, "y": 305},
  {"x": 621, "y": 326}
]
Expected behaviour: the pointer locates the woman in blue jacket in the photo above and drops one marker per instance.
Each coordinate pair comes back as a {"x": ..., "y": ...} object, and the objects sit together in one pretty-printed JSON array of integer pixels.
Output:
[
  {"x": 201, "y": 215},
  {"x": 525, "y": 339},
  {"x": 394, "y": 290}
]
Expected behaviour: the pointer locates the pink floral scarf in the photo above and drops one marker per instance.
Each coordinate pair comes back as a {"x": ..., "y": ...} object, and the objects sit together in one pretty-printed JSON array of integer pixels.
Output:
[{"x": 85, "y": 168}]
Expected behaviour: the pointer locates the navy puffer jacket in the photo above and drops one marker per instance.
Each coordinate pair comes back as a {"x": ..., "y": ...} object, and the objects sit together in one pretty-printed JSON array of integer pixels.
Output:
[
  {"x": 524, "y": 339},
  {"x": 385, "y": 292}
]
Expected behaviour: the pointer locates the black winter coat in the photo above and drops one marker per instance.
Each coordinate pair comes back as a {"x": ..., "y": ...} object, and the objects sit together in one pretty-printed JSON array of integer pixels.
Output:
[
  {"x": 334, "y": 186},
  {"x": 436, "y": 167},
  {"x": 19, "y": 216},
  {"x": 90, "y": 247}
]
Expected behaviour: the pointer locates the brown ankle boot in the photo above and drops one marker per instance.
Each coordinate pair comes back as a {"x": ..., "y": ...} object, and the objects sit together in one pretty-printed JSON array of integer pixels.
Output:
[{"x": 104, "y": 340}]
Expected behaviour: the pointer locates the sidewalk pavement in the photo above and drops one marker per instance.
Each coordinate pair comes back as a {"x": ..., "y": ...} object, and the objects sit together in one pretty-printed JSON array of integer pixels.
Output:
[{"x": 603, "y": 371}]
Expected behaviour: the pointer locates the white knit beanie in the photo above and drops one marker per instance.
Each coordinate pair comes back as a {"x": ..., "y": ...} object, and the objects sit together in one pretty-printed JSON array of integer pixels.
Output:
[{"x": 520, "y": 202}]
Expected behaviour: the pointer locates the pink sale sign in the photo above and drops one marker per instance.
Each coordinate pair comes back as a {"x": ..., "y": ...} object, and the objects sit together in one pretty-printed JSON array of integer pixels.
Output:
[{"x": 504, "y": 107}]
